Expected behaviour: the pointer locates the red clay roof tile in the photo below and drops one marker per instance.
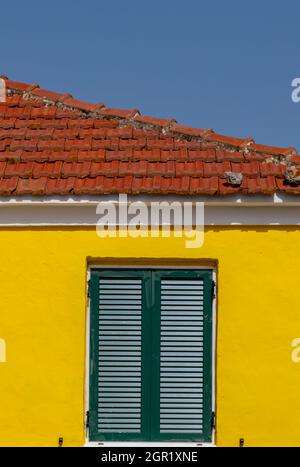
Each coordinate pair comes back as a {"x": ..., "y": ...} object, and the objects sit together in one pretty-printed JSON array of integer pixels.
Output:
[
  {"x": 216, "y": 169},
  {"x": 8, "y": 185},
  {"x": 92, "y": 156},
  {"x": 295, "y": 159},
  {"x": 226, "y": 189},
  {"x": 10, "y": 156},
  {"x": 88, "y": 185},
  {"x": 186, "y": 130},
  {"x": 31, "y": 186},
  {"x": 249, "y": 169},
  {"x": 269, "y": 168},
  {"x": 261, "y": 185},
  {"x": 233, "y": 156},
  {"x": 161, "y": 122},
  {"x": 204, "y": 186},
  {"x": 272, "y": 150},
  {"x": 21, "y": 169},
  {"x": 237, "y": 142},
  {"x": 194, "y": 169},
  {"x": 59, "y": 186},
  {"x": 208, "y": 155},
  {"x": 47, "y": 169},
  {"x": 54, "y": 144},
  {"x": 76, "y": 169}
]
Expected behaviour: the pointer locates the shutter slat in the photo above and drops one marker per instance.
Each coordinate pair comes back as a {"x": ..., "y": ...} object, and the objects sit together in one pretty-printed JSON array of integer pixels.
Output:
[
  {"x": 181, "y": 356},
  {"x": 119, "y": 366}
]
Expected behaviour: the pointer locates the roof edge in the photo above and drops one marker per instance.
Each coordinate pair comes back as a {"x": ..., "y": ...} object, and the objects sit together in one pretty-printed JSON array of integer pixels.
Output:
[{"x": 135, "y": 118}]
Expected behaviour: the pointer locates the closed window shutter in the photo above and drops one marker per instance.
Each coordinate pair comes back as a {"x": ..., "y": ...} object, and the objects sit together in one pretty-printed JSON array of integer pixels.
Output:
[
  {"x": 119, "y": 380},
  {"x": 150, "y": 355},
  {"x": 181, "y": 356}
]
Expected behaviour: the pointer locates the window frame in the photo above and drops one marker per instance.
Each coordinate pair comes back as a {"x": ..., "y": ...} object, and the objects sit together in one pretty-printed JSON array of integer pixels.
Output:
[{"x": 150, "y": 346}]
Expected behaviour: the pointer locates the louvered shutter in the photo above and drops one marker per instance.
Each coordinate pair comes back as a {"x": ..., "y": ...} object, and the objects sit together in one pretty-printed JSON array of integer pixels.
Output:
[
  {"x": 117, "y": 357},
  {"x": 182, "y": 356},
  {"x": 151, "y": 368}
]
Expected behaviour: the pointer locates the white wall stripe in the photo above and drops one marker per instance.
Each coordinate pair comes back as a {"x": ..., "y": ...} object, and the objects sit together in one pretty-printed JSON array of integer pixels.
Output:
[{"x": 16, "y": 215}]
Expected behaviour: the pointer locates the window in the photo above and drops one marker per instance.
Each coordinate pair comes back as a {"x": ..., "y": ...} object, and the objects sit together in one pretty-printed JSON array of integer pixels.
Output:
[{"x": 151, "y": 355}]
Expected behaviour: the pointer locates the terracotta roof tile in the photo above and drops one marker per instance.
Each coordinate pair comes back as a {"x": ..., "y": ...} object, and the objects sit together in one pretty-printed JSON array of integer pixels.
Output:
[
  {"x": 7, "y": 123},
  {"x": 59, "y": 186},
  {"x": 31, "y": 186},
  {"x": 272, "y": 149},
  {"x": 76, "y": 169},
  {"x": 21, "y": 169},
  {"x": 47, "y": 169},
  {"x": 269, "y": 168},
  {"x": 88, "y": 185},
  {"x": 8, "y": 185},
  {"x": 54, "y": 144},
  {"x": 228, "y": 140},
  {"x": 66, "y": 156},
  {"x": 121, "y": 113},
  {"x": 92, "y": 156},
  {"x": 146, "y": 155},
  {"x": 261, "y": 185},
  {"x": 188, "y": 144},
  {"x": 204, "y": 186},
  {"x": 118, "y": 155},
  {"x": 10, "y": 156},
  {"x": 216, "y": 169},
  {"x": 161, "y": 122},
  {"x": 226, "y": 189},
  {"x": 233, "y": 156},
  {"x": 139, "y": 169},
  {"x": 179, "y": 155},
  {"x": 194, "y": 169},
  {"x": 109, "y": 169},
  {"x": 208, "y": 155},
  {"x": 282, "y": 185},
  {"x": 295, "y": 159},
  {"x": 80, "y": 144},
  {"x": 249, "y": 169},
  {"x": 186, "y": 130}
]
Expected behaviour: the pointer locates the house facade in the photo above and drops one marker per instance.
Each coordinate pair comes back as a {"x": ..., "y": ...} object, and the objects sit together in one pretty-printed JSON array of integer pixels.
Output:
[{"x": 137, "y": 338}]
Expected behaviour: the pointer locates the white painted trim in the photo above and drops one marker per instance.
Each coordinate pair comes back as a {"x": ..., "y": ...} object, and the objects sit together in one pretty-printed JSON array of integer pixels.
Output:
[
  {"x": 89, "y": 443},
  {"x": 137, "y": 444},
  {"x": 73, "y": 214},
  {"x": 87, "y": 354},
  {"x": 214, "y": 200}
]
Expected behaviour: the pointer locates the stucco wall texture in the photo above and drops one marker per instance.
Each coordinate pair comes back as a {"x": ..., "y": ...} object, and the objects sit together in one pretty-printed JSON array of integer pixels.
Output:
[{"x": 43, "y": 274}]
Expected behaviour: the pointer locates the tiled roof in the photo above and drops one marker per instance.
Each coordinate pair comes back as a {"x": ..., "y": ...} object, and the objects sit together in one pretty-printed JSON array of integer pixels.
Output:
[{"x": 53, "y": 144}]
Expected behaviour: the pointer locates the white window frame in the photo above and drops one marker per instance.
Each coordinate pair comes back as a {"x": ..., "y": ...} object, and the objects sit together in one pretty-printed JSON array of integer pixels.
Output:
[{"x": 146, "y": 265}]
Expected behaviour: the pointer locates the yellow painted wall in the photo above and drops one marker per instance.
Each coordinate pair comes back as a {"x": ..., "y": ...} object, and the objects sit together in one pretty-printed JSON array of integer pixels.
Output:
[{"x": 43, "y": 313}]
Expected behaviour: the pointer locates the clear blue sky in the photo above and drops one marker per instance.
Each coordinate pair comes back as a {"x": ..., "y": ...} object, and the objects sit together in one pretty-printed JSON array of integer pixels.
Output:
[{"x": 222, "y": 64}]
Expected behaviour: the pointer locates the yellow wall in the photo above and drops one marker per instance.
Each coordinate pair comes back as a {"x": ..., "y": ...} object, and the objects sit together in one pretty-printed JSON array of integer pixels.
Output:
[{"x": 43, "y": 312}]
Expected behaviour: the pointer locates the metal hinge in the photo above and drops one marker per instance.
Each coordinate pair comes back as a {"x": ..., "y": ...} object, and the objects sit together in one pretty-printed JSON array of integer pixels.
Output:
[
  {"x": 213, "y": 290},
  {"x": 87, "y": 419},
  {"x": 213, "y": 420}
]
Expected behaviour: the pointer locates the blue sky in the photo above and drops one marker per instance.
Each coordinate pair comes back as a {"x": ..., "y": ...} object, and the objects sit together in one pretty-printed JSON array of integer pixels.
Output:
[{"x": 226, "y": 65}]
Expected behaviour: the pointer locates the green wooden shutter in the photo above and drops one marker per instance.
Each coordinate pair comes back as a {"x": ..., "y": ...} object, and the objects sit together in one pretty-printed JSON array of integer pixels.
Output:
[
  {"x": 118, "y": 365},
  {"x": 151, "y": 369},
  {"x": 183, "y": 375}
]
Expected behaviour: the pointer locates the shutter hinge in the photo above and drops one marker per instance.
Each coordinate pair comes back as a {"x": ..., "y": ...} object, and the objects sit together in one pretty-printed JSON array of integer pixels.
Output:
[
  {"x": 213, "y": 290},
  {"x": 213, "y": 420},
  {"x": 89, "y": 288},
  {"x": 87, "y": 419}
]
